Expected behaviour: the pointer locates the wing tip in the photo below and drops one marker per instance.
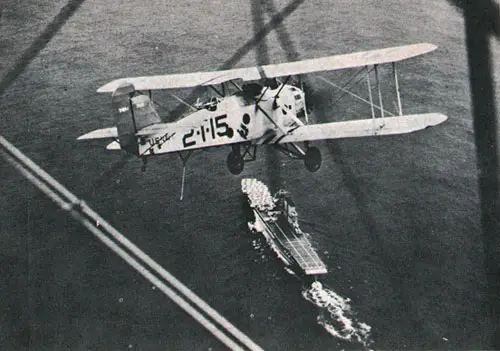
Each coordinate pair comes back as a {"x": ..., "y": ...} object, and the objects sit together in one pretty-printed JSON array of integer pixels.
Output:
[
  {"x": 427, "y": 47},
  {"x": 106, "y": 88},
  {"x": 84, "y": 137},
  {"x": 104, "y": 133},
  {"x": 110, "y": 87},
  {"x": 439, "y": 118},
  {"x": 431, "y": 119}
]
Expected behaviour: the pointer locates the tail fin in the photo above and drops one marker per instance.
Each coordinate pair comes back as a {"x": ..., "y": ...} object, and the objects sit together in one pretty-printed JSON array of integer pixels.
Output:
[{"x": 133, "y": 112}]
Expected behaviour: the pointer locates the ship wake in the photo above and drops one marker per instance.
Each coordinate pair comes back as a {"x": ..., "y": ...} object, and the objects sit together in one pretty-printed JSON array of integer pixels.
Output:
[{"x": 336, "y": 315}]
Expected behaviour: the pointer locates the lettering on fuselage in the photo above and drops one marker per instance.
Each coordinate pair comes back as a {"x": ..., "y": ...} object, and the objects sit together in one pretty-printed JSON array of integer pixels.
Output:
[
  {"x": 215, "y": 128},
  {"x": 160, "y": 140}
]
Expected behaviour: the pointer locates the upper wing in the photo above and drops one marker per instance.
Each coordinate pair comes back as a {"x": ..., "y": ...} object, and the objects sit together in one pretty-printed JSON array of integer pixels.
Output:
[
  {"x": 356, "y": 59},
  {"x": 329, "y": 63},
  {"x": 364, "y": 127},
  {"x": 173, "y": 81}
]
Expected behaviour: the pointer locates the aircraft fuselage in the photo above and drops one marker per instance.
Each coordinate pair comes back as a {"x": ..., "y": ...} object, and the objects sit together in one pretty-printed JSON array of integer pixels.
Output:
[{"x": 238, "y": 118}]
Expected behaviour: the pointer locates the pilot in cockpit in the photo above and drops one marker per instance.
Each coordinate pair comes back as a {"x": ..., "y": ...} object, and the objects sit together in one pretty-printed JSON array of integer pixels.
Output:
[{"x": 211, "y": 104}]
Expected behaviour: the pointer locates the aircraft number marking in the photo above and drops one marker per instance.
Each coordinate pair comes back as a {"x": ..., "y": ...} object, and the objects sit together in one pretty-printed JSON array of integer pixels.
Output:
[
  {"x": 217, "y": 128},
  {"x": 188, "y": 136}
]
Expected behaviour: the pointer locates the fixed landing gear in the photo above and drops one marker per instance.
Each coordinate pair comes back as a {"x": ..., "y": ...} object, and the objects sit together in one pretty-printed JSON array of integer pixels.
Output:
[
  {"x": 235, "y": 162},
  {"x": 312, "y": 159},
  {"x": 311, "y": 156},
  {"x": 241, "y": 153},
  {"x": 144, "y": 164}
]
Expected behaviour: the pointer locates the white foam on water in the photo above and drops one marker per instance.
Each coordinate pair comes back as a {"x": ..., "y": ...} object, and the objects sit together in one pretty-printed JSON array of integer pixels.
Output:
[
  {"x": 290, "y": 271},
  {"x": 336, "y": 315}
]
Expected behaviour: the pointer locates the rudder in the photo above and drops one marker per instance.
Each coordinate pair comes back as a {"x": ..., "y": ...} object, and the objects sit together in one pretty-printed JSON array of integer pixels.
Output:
[{"x": 133, "y": 112}]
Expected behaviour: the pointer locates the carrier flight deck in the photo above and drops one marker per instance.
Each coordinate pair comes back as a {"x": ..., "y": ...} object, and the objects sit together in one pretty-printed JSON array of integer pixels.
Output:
[{"x": 276, "y": 218}]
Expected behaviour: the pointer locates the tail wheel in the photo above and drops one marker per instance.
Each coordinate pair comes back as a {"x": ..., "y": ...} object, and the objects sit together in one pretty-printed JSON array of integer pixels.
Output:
[
  {"x": 312, "y": 159},
  {"x": 235, "y": 162}
]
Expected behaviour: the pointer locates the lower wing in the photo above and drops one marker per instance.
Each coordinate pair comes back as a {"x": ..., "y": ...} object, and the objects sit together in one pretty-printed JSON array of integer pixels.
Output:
[
  {"x": 364, "y": 127},
  {"x": 105, "y": 133}
]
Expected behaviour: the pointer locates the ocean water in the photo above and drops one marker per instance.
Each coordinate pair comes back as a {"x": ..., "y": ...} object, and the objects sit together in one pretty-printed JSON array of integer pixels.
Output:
[{"x": 396, "y": 219}]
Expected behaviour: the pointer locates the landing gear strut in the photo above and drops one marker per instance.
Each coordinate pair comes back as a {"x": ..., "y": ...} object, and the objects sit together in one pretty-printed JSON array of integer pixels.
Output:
[{"x": 235, "y": 162}]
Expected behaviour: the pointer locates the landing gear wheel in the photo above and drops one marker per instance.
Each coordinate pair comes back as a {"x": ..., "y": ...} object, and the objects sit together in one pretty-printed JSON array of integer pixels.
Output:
[
  {"x": 235, "y": 163},
  {"x": 312, "y": 159}
]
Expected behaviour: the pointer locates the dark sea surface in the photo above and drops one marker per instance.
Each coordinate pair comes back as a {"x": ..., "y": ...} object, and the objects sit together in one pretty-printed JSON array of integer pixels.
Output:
[{"x": 396, "y": 219}]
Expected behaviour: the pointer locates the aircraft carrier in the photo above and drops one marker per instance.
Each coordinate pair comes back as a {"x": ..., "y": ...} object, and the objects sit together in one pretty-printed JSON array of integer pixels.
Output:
[{"x": 276, "y": 218}]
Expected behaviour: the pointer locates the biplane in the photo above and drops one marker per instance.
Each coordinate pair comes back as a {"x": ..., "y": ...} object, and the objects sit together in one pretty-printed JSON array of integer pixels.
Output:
[{"x": 253, "y": 106}]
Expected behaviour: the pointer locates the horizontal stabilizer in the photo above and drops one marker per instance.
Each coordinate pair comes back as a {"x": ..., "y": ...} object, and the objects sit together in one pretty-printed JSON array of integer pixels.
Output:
[
  {"x": 105, "y": 133},
  {"x": 114, "y": 145},
  {"x": 364, "y": 127}
]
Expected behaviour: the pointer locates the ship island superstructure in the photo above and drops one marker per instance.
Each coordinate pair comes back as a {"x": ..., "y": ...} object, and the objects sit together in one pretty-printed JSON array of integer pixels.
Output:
[{"x": 276, "y": 218}]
